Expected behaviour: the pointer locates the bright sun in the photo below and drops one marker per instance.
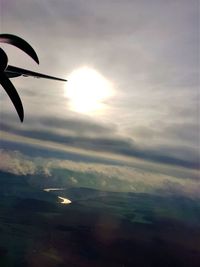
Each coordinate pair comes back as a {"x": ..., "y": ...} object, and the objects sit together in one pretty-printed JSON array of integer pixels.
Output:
[{"x": 87, "y": 89}]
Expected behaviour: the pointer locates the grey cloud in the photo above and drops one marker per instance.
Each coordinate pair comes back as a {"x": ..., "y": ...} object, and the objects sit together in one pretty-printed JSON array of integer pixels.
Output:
[
  {"x": 125, "y": 40},
  {"x": 174, "y": 134},
  {"x": 76, "y": 126},
  {"x": 148, "y": 48},
  {"x": 177, "y": 155},
  {"x": 79, "y": 126},
  {"x": 184, "y": 131}
]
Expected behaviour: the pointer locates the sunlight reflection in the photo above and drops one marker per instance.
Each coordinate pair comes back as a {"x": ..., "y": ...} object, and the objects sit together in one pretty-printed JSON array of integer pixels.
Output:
[
  {"x": 65, "y": 200},
  {"x": 52, "y": 189}
]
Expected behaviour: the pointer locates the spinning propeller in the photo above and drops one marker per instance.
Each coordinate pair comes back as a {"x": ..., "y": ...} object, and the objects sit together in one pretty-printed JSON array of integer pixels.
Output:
[{"x": 8, "y": 71}]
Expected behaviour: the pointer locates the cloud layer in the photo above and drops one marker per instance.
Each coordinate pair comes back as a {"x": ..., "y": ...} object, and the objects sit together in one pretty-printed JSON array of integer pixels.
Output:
[
  {"x": 147, "y": 49},
  {"x": 101, "y": 176}
]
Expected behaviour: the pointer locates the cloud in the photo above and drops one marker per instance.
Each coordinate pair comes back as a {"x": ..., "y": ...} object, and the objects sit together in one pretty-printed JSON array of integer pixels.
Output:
[
  {"x": 95, "y": 137},
  {"x": 15, "y": 163},
  {"x": 98, "y": 175},
  {"x": 149, "y": 52}
]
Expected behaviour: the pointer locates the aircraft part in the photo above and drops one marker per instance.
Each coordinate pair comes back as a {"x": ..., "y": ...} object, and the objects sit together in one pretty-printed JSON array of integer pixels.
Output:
[
  {"x": 7, "y": 71},
  {"x": 3, "y": 61},
  {"x": 12, "y": 93},
  {"x": 20, "y": 43},
  {"x": 15, "y": 70}
]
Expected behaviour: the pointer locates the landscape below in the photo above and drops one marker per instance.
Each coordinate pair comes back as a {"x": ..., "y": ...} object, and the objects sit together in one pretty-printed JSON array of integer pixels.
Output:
[{"x": 98, "y": 228}]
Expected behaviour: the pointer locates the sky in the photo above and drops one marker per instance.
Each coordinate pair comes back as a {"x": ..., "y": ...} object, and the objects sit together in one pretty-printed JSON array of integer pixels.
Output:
[{"x": 131, "y": 103}]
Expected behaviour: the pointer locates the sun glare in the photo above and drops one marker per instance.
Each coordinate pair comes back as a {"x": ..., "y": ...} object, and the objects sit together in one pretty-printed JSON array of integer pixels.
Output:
[{"x": 87, "y": 90}]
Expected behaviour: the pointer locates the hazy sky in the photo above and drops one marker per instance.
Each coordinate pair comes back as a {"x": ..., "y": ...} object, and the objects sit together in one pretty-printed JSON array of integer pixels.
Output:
[{"x": 145, "y": 52}]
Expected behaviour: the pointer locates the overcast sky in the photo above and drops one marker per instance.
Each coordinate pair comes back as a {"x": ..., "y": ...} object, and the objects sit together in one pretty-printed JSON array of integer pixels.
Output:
[{"x": 147, "y": 51}]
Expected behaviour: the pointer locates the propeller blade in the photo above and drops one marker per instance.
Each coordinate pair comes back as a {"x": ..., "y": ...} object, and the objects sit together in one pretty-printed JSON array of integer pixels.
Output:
[
  {"x": 12, "y": 93},
  {"x": 20, "y": 43},
  {"x": 12, "y": 70}
]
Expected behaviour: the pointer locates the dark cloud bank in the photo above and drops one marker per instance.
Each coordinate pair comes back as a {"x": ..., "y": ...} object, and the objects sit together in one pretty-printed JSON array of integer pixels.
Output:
[{"x": 96, "y": 137}]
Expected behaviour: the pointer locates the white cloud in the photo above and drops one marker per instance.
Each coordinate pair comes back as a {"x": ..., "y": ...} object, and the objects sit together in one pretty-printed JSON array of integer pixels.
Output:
[
  {"x": 139, "y": 180},
  {"x": 15, "y": 163}
]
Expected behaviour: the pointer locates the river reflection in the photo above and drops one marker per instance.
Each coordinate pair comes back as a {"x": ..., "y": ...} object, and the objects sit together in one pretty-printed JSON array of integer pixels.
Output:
[
  {"x": 65, "y": 200},
  {"x": 53, "y": 189}
]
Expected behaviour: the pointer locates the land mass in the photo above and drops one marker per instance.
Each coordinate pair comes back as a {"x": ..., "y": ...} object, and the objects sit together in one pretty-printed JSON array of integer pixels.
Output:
[{"x": 99, "y": 228}]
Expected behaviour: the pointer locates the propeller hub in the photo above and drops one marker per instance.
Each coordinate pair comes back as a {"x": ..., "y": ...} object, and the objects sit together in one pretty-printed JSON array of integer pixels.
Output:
[{"x": 3, "y": 60}]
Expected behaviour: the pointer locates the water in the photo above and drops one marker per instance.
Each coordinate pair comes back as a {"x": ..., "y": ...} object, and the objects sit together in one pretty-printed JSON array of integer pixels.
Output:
[{"x": 65, "y": 201}]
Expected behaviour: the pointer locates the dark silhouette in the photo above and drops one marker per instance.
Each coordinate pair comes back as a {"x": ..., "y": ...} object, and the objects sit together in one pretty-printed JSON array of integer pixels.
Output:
[{"x": 8, "y": 71}]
